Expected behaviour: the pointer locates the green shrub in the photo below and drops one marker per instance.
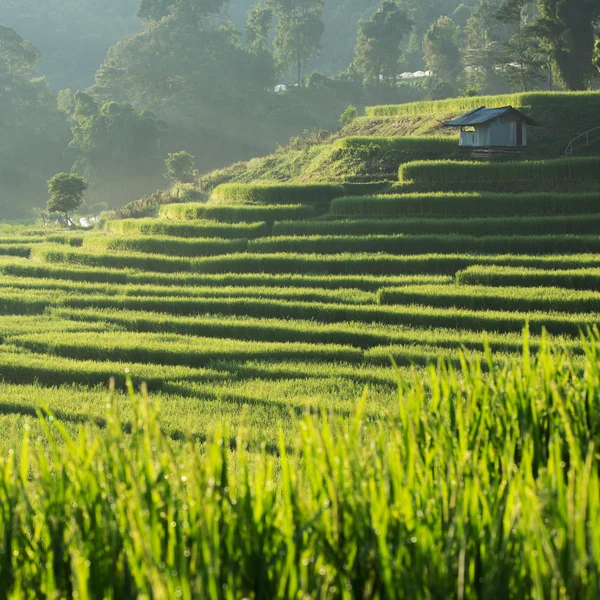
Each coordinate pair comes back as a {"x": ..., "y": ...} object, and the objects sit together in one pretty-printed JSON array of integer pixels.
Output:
[
  {"x": 466, "y": 205},
  {"x": 165, "y": 245},
  {"x": 277, "y": 193},
  {"x": 425, "y": 244},
  {"x": 185, "y": 229},
  {"x": 233, "y": 214},
  {"x": 571, "y": 224}
]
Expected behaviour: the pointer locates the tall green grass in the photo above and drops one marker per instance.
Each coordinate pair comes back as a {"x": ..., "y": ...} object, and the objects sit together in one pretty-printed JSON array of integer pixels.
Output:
[
  {"x": 251, "y": 213},
  {"x": 448, "y": 172},
  {"x": 577, "y": 279},
  {"x": 425, "y": 244},
  {"x": 155, "y": 244},
  {"x": 479, "y": 297},
  {"x": 466, "y": 205},
  {"x": 65, "y": 272},
  {"x": 571, "y": 224},
  {"x": 185, "y": 229},
  {"x": 531, "y": 100},
  {"x": 439, "y": 147},
  {"x": 480, "y": 486},
  {"x": 311, "y": 264},
  {"x": 276, "y": 193}
]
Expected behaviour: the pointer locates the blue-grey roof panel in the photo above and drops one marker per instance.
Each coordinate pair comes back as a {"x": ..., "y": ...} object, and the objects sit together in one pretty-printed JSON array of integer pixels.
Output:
[{"x": 477, "y": 116}]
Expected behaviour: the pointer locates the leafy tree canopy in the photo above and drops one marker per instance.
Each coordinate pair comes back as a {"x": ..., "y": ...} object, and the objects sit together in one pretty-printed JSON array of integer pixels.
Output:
[{"x": 66, "y": 193}]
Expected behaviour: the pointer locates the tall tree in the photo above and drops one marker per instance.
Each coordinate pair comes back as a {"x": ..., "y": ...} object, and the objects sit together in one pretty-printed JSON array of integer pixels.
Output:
[
  {"x": 485, "y": 36},
  {"x": 260, "y": 22},
  {"x": 298, "y": 33},
  {"x": 442, "y": 51},
  {"x": 379, "y": 48},
  {"x": 567, "y": 29},
  {"x": 17, "y": 56},
  {"x": 521, "y": 58},
  {"x": 116, "y": 147}
]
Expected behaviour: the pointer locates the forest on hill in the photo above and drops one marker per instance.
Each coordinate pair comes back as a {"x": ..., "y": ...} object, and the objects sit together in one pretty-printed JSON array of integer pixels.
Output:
[{"x": 106, "y": 89}]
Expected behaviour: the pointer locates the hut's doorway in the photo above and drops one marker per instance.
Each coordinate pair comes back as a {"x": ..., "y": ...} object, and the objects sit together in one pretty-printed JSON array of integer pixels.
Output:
[{"x": 519, "y": 133}]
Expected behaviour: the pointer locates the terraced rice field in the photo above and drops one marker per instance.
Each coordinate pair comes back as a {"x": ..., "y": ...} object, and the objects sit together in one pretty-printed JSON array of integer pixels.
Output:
[{"x": 257, "y": 305}]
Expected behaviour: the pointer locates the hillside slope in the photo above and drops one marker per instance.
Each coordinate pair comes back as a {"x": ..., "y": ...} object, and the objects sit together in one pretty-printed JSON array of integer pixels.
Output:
[{"x": 561, "y": 116}]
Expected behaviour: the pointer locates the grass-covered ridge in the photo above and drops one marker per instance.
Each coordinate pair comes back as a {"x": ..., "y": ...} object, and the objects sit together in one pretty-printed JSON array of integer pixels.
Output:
[{"x": 352, "y": 508}]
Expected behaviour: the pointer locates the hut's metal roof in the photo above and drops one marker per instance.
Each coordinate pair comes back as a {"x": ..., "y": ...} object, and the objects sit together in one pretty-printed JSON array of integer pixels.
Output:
[{"x": 481, "y": 115}]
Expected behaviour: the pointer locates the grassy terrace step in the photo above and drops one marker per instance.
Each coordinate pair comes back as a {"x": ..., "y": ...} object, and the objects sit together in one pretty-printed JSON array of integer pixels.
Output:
[
  {"x": 24, "y": 367},
  {"x": 160, "y": 349},
  {"x": 465, "y": 205},
  {"x": 438, "y": 147},
  {"x": 185, "y": 229},
  {"x": 234, "y": 214},
  {"x": 18, "y": 303},
  {"x": 449, "y": 172},
  {"x": 163, "y": 349},
  {"x": 426, "y": 244},
  {"x": 533, "y": 100},
  {"x": 571, "y": 224},
  {"x": 494, "y": 298},
  {"x": 369, "y": 283},
  {"x": 165, "y": 245},
  {"x": 22, "y": 250},
  {"x": 360, "y": 335},
  {"x": 342, "y": 295},
  {"x": 414, "y": 316},
  {"x": 313, "y": 264},
  {"x": 577, "y": 279},
  {"x": 278, "y": 194}
]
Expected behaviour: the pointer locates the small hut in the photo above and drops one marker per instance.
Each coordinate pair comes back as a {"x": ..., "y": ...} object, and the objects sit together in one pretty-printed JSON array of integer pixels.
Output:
[{"x": 502, "y": 128}]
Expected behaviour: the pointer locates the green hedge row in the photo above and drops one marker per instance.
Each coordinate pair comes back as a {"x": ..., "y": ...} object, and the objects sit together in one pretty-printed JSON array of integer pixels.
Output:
[
  {"x": 533, "y": 100},
  {"x": 571, "y": 224},
  {"x": 494, "y": 298},
  {"x": 466, "y": 205},
  {"x": 312, "y": 264},
  {"x": 166, "y": 245},
  {"x": 577, "y": 279},
  {"x": 209, "y": 229},
  {"x": 367, "y": 283},
  {"x": 581, "y": 169},
  {"x": 277, "y": 193},
  {"x": 361, "y": 335},
  {"x": 425, "y": 244},
  {"x": 234, "y": 214}
]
